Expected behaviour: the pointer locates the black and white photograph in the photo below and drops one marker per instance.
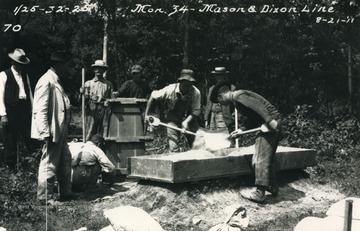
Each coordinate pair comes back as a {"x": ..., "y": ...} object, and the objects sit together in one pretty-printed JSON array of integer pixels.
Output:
[{"x": 180, "y": 115}]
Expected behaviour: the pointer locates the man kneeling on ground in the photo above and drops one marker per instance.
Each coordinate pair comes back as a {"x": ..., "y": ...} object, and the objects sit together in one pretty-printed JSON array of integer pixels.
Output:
[{"x": 89, "y": 163}]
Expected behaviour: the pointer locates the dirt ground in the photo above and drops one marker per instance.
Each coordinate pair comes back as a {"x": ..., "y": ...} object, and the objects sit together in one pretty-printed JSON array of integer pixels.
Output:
[
  {"x": 201, "y": 205},
  {"x": 195, "y": 206}
]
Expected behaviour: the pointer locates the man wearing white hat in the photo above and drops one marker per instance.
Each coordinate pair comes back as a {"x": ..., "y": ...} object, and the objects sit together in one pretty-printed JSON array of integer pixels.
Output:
[
  {"x": 96, "y": 91},
  {"x": 183, "y": 102},
  {"x": 15, "y": 105}
]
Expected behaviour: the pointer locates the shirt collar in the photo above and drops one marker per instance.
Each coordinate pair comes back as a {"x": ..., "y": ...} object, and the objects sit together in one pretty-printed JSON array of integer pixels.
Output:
[
  {"x": 53, "y": 74},
  {"x": 15, "y": 71},
  {"x": 178, "y": 92},
  {"x": 96, "y": 79}
]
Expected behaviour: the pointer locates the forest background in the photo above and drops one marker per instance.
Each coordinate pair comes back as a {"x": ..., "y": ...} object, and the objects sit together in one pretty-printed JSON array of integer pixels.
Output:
[
  {"x": 292, "y": 58},
  {"x": 306, "y": 62}
]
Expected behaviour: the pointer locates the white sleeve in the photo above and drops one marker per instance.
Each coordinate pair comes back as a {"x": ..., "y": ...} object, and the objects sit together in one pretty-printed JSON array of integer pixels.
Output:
[{"x": 3, "y": 79}]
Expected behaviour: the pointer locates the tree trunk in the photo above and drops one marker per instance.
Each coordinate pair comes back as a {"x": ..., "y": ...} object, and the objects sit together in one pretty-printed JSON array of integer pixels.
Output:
[
  {"x": 106, "y": 40},
  {"x": 186, "y": 38}
]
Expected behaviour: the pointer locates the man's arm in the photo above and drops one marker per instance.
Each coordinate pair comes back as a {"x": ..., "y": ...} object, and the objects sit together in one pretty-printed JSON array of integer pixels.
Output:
[
  {"x": 40, "y": 110},
  {"x": 3, "y": 79},
  {"x": 195, "y": 109},
  {"x": 149, "y": 106},
  {"x": 105, "y": 163}
]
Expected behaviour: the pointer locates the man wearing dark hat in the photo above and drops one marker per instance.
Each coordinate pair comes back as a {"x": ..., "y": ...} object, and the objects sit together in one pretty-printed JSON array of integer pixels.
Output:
[
  {"x": 15, "y": 105},
  {"x": 89, "y": 162},
  {"x": 96, "y": 91},
  {"x": 183, "y": 102},
  {"x": 218, "y": 116},
  {"x": 257, "y": 112},
  {"x": 50, "y": 121},
  {"x": 133, "y": 88}
]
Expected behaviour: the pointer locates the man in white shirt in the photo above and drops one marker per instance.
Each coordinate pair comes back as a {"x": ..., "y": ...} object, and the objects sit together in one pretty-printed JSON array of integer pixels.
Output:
[
  {"x": 15, "y": 106},
  {"x": 88, "y": 163},
  {"x": 182, "y": 100}
]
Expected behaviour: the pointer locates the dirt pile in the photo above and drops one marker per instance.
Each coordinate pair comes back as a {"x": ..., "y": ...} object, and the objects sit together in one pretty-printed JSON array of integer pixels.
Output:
[{"x": 202, "y": 205}]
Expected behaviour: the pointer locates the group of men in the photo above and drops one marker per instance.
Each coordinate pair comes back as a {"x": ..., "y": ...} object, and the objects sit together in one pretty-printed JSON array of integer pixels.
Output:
[{"x": 50, "y": 118}]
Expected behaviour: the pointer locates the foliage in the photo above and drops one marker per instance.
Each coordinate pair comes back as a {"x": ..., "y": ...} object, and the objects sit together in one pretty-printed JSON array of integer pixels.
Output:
[{"x": 289, "y": 58}]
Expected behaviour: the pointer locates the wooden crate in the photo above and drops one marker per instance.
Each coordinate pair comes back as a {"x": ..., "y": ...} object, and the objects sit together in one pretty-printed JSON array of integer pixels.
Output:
[
  {"x": 124, "y": 134},
  {"x": 197, "y": 165}
]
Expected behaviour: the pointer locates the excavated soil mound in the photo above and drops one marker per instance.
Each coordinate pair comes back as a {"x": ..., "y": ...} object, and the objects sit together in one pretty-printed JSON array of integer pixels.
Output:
[{"x": 201, "y": 205}]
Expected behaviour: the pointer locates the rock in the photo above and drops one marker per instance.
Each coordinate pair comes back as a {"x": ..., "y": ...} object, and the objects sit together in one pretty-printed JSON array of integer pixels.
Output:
[
  {"x": 334, "y": 220},
  {"x": 196, "y": 221},
  {"x": 128, "y": 218}
]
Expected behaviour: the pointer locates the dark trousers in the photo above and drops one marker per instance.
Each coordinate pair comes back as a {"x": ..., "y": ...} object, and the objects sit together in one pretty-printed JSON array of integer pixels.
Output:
[
  {"x": 264, "y": 160},
  {"x": 97, "y": 116},
  {"x": 174, "y": 135},
  {"x": 19, "y": 122}
]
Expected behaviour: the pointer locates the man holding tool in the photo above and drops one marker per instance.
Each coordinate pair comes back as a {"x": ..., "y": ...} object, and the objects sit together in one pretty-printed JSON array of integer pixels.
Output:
[
  {"x": 183, "y": 102},
  {"x": 258, "y": 115},
  {"x": 96, "y": 91}
]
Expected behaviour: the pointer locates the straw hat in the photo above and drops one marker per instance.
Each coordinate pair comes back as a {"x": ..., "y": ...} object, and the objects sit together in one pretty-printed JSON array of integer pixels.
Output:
[
  {"x": 220, "y": 70},
  {"x": 99, "y": 63}
]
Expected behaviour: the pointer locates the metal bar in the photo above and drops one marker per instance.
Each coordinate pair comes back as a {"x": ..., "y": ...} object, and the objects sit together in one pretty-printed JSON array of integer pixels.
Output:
[
  {"x": 83, "y": 103},
  {"x": 348, "y": 215}
]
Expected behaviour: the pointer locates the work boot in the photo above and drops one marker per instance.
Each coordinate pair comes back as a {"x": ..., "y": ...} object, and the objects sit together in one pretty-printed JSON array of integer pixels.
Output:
[
  {"x": 257, "y": 196},
  {"x": 274, "y": 190}
]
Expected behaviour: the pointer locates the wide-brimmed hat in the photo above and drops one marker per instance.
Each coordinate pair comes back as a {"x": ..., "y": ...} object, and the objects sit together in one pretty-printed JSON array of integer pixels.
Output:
[
  {"x": 219, "y": 88},
  {"x": 19, "y": 56},
  {"x": 99, "y": 63},
  {"x": 60, "y": 56},
  {"x": 136, "y": 68},
  {"x": 186, "y": 74},
  {"x": 220, "y": 71}
]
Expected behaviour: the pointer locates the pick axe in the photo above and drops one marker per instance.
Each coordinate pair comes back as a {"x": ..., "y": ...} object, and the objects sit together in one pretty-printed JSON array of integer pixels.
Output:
[{"x": 156, "y": 122}]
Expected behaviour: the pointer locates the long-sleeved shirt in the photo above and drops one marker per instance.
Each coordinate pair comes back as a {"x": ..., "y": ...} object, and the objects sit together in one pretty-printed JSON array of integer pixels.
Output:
[
  {"x": 171, "y": 96},
  {"x": 253, "y": 109},
  {"x": 19, "y": 81},
  {"x": 131, "y": 89},
  {"x": 90, "y": 155}
]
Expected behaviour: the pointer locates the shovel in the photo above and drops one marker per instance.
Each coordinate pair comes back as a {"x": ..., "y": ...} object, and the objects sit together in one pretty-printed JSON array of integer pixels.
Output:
[
  {"x": 156, "y": 122},
  {"x": 262, "y": 128}
]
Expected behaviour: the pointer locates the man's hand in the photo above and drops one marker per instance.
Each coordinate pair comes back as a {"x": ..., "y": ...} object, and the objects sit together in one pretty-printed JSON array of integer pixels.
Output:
[
  {"x": 185, "y": 125},
  {"x": 4, "y": 121},
  {"x": 147, "y": 124},
  {"x": 235, "y": 134},
  {"x": 273, "y": 124},
  {"x": 82, "y": 90}
]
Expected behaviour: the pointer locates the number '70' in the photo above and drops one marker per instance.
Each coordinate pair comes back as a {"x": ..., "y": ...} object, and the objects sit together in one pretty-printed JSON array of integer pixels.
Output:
[{"x": 15, "y": 28}]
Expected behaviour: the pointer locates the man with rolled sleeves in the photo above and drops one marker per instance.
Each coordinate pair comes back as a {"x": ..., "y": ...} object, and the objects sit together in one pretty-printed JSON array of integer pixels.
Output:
[
  {"x": 256, "y": 111},
  {"x": 96, "y": 91},
  {"x": 50, "y": 122},
  {"x": 183, "y": 102},
  {"x": 15, "y": 106}
]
